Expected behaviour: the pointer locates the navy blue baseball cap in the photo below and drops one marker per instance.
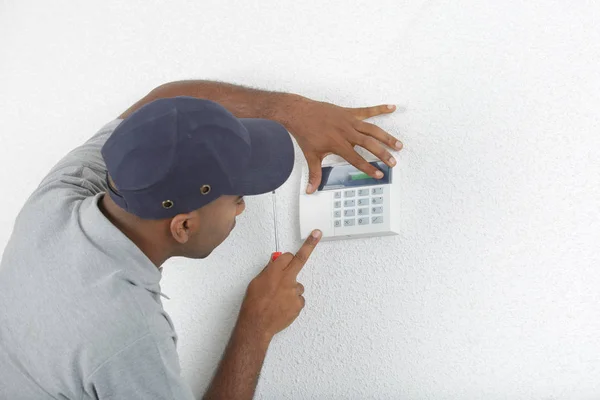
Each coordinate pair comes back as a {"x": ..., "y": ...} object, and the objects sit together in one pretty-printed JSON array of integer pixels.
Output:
[{"x": 176, "y": 155}]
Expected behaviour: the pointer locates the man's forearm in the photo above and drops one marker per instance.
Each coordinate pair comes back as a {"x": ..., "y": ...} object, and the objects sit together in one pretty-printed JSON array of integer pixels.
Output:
[
  {"x": 241, "y": 101},
  {"x": 237, "y": 374}
]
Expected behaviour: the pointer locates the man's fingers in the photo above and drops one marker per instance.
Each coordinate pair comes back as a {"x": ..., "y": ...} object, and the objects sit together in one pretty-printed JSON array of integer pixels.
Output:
[
  {"x": 299, "y": 289},
  {"x": 368, "y": 112},
  {"x": 359, "y": 162},
  {"x": 378, "y": 150},
  {"x": 314, "y": 173},
  {"x": 301, "y": 257},
  {"x": 376, "y": 132}
]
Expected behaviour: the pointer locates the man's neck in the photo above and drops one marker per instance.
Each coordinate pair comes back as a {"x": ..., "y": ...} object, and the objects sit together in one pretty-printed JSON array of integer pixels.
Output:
[{"x": 145, "y": 234}]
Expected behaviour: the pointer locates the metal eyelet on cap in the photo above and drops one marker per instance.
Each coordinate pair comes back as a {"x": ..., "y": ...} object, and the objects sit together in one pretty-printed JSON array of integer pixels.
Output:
[
  {"x": 167, "y": 204},
  {"x": 205, "y": 189}
]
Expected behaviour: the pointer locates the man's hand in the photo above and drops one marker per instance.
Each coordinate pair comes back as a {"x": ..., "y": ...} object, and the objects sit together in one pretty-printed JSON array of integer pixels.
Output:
[
  {"x": 274, "y": 298},
  {"x": 323, "y": 128},
  {"x": 273, "y": 301}
]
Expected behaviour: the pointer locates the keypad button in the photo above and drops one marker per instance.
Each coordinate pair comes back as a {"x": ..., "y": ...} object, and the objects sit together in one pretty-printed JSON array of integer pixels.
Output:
[
  {"x": 337, "y": 195},
  {"x": 377, "y": 210},
  {"x": 363, "y": 202},
  {"x": 349, "y": 203},
  {"x": 363, "y": 221},
  {"x": 375, "y": 191},
  {"x": 337, "y": 204},
  {"x": 363, "y": 211},
  {"x": 363, "y": 192},
  {"x": 337, "y": 223},
  {"x": 377, "y": 220},
  {"x": 337, "y": 214},
  {"x": 349, "y": 213},
  {"x": 349, "y": 222},
  {"x": 349, "y": 193},
  {"x": 377, "y": 200}
]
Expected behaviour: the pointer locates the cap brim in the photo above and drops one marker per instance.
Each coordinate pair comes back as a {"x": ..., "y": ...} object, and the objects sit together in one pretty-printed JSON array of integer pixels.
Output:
[{"x": 271, "y": 161}]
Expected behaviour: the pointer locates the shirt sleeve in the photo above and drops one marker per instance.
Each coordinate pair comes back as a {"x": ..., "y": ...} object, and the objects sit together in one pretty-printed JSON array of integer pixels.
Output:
[
  {"x": 146, "y": 369},
  {"x": 82, "y": 170}
]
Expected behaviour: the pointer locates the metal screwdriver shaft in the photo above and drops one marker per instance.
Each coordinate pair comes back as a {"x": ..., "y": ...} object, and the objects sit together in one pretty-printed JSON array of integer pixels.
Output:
[{"x": 277, "y": 253}]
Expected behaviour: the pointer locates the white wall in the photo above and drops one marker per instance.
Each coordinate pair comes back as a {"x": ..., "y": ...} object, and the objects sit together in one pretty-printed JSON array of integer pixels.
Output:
[{"x": 490, "y": 292}]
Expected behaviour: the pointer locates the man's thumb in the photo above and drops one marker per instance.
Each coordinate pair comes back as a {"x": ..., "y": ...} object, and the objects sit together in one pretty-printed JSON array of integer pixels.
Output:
[{"x": 314, "y": 174}]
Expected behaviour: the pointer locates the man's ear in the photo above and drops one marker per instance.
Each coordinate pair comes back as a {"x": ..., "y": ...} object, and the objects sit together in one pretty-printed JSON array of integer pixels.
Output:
[{"x": 180, "y": 229}]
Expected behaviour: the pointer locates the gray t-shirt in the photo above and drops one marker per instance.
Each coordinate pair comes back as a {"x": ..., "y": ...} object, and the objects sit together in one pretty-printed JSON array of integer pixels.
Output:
[{"x": 80, "y": 309}]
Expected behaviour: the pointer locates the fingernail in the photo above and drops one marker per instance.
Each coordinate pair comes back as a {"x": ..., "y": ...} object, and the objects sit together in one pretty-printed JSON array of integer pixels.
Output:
[
  {"x": 391, "y": 106},
  {"x": 398, "y": 145},
  {"x": 392, "y": 161},
  {"x": 309, "y": 188},
  {"x": 316, "y": 234},
  {"x": 379, "y": 174}
]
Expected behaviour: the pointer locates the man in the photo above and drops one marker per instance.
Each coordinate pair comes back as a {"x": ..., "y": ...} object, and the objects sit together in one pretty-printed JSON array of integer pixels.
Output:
[{"x": 80, "y": 309}]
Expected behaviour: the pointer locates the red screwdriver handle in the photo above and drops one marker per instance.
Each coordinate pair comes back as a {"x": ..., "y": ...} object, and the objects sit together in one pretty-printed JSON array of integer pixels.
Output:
[{"x": 275, "y": 255}]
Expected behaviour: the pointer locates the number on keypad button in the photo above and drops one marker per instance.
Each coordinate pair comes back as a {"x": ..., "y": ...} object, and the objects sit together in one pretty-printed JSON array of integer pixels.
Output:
[
  {"x": 363, "y": 202},
  {"x": 348, "y": 213},
  {"x": 377, "y": 210},
  {"x": 349, "y": 193},
  {"x": 363, "y": 221},
  {"x": 363, "y": 211},
  {"x": 348, "y": 222},
  {"x": 377, "y": 200},
  {"x": 363, "y": 192},
  {"x": 348, "y": 203},
  {"x": 377, "y": 191}
]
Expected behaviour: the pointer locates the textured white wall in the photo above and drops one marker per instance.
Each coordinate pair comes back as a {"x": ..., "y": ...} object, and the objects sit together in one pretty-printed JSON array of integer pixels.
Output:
[{"x": 490, "y": 292}]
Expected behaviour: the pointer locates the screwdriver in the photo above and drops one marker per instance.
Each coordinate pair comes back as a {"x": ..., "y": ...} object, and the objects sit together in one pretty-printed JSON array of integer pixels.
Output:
[{"x": 276, "y": 253}]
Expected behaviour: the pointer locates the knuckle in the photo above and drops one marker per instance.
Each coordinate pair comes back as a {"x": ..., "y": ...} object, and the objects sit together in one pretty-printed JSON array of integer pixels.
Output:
[
  {"x": 365, "y": 166},
  {"x": 358, "y": 125},
  {"x": 371, "y": 142},
  {"x": 367, "y": 127},
  {"x": 380, "y": 133},
  {"x": 362, "y": 140},
  {"x": 382, "y": 153},
  {"x": 301, "y": 288}
]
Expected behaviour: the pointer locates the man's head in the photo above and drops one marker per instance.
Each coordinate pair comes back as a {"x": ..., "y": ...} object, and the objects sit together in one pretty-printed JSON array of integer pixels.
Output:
[
  {"x": 198, "y": 233},
  {"x": 185, "y": 164}
]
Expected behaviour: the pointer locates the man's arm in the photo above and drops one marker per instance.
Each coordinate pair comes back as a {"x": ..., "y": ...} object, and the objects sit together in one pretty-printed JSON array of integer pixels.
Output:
[
  {"x": 319, "y": 128},
  {"x": 237, "y": 374},
  {"x": 273, "y": 301},
  {"x": 241, "y": 101}
]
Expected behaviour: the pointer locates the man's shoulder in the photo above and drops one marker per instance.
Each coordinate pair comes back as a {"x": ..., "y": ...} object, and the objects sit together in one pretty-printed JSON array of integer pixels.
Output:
[{"x": 79, "y": 174}]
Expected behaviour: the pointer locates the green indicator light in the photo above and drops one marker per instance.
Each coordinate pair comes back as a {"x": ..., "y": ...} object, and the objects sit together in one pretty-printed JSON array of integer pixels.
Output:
[{"x": 358, "y": 175}]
